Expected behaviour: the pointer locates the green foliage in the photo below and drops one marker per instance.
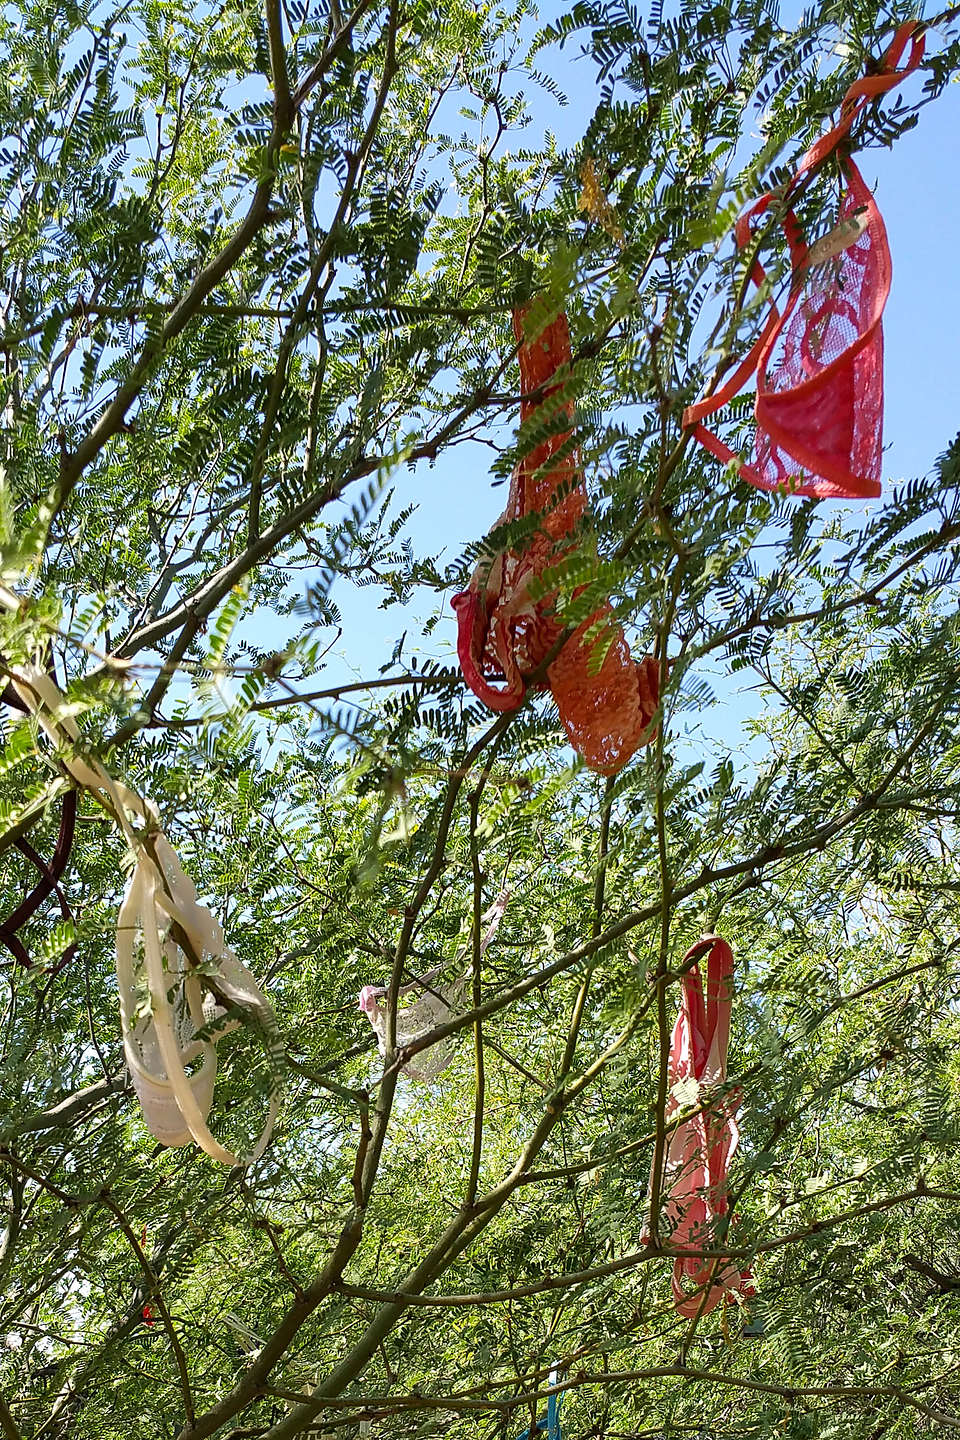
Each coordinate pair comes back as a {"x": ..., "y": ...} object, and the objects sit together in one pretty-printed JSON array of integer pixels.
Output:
[{"x": 245, "y": 305}]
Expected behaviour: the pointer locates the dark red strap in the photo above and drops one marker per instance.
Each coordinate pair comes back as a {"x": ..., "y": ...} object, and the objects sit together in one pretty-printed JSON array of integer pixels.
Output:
[
  {"x": 471, "y": 642},
  {"x": 10, "y": 697},
  {"x": 49, "y": 883}
]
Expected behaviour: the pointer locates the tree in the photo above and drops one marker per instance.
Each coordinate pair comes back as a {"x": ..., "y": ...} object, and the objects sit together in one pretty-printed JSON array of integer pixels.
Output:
[{"x": 253, "y": 286}]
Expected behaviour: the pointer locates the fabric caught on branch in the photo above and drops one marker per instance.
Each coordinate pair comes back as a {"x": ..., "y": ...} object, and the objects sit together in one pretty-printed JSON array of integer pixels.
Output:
[
  {"x": 503, "y": 634},
  {"x": 178, "y": 979},
  {"x": 423, "y": 1005},
  {"x": 183, "y": 1022},
  {"x": 699, "y": 1150},
  {"x": 819, "y": 364},
  {"x": 548, "y": 1424}
]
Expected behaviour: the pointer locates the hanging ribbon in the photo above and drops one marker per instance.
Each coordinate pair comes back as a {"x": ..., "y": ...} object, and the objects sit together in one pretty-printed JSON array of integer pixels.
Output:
[
  {"x": 160, "y": 900},
  {"x": 700, "y": 1149}
]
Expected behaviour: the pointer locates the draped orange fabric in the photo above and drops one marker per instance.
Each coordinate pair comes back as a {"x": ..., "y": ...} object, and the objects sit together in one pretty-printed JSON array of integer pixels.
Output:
[
  {"x": 819, "y": 364},
  {"x": 504, "y": 635}
]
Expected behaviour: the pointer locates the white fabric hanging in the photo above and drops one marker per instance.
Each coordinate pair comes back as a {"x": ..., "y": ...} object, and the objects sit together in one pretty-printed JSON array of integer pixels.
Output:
[
  {"x": 423, "y": 1005},
  {"x": 161, "y": 1043},
  {"x": 170, "y": 1000},
  {"x": 416, "y": 1017}
]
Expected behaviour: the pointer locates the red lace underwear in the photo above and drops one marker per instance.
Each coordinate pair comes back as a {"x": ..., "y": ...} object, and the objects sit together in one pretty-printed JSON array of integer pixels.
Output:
[
  {"x": 700, "y": 1149},
  {"x": 819, "y": 364}
]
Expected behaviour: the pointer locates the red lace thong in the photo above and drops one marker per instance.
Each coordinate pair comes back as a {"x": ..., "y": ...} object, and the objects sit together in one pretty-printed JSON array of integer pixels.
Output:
[
  {"x": 819, "y": 364},
  {"x": 504, "y": 635}
]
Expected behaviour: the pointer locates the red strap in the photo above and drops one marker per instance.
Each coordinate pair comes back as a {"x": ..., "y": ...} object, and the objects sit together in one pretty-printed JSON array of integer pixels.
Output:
[
  {"x": 695, "y": 413},
  {"x": 703, "y": 1018},
  {"x": 715, "y": 445},
  {"x": 49, "y": 883},
  {"x": 50, "y": 875},
  {"x": 719, "y": 971},
  {"x": 743, "y": 231},
  {"x": 696, "y": 1015},
  {"x": 855, "y": 100},
  {"x": 862, "y": 91},
  {"x": 468, "y": 611}
]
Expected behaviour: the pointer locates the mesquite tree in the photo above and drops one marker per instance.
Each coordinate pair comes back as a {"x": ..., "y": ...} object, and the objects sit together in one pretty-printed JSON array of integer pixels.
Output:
[{"x": 257, "y": 269}]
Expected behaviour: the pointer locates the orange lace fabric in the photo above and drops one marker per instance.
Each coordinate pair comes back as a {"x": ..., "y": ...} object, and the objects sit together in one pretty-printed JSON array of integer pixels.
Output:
[{"x": 504, "y": 635}]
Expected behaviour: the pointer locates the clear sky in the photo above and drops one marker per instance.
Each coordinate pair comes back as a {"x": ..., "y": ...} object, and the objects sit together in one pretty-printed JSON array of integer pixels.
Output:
[{"x": 919, "y": 199}]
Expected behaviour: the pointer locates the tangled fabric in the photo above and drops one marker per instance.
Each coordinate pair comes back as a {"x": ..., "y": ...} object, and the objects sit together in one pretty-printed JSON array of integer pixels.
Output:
[
  {"x": 700, "y": 1149},
  {"x": 181, "y": 987},
  {"x": 423, "y": 1005},
  {"x": 504, "y": 635},
  {"x": 819, "y": 364},
  {"x": 163, "y": 933},
  {"x": 416, "y": 1017}
]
